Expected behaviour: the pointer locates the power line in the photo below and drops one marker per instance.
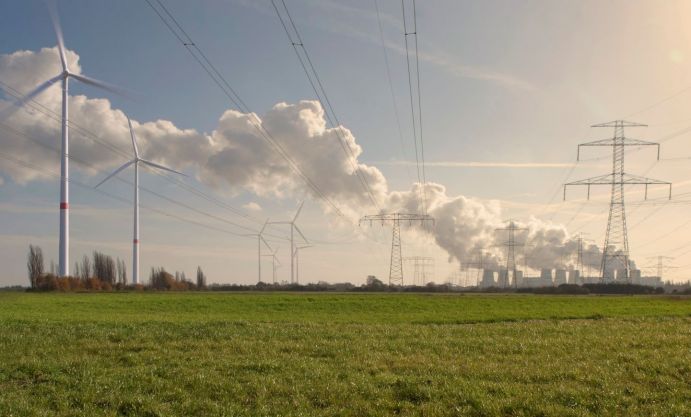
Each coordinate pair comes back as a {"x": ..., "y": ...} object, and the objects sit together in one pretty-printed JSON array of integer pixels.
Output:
[
  {"x": 313, "y": 76},
  {"x": 418, "y": 155},
  {"x": 201, "y": 58},
  {"x": 391, "y": 89}
]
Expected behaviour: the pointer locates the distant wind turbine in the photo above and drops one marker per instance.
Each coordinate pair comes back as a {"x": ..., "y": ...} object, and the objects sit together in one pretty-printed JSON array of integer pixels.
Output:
[
  {"x": 64, "y": 76},
  {"x": 135, "y": 162},
  {"x": 293, "y": 228},
  {"x": 260, "y": 239},
  {"x": 297, "y": 259},
  {"x": 275, "y": 263}
]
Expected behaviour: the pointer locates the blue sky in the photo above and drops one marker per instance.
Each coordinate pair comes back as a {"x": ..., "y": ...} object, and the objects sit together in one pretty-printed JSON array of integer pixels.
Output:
[{"x": 513, "y": 85}]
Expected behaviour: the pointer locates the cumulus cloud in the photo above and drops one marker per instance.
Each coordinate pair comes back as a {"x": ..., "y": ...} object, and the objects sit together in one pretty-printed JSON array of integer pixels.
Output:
[
  {"x": 252, "y": 206},
  {"x": 235, "y": 156}
]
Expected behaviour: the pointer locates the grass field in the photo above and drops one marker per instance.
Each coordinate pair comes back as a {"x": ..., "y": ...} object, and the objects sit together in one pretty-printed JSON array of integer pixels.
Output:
[{"x": 202, "y": 354}]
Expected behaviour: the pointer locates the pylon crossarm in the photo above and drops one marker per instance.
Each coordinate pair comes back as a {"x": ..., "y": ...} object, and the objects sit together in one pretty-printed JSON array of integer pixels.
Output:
[
  {"x": 620, "y": 123},
  {"x": 599, "y": 180},
  {"x": 635, "y": 179}
]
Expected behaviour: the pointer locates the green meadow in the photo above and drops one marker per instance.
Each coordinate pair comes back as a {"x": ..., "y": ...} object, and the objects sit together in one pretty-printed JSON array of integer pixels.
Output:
[{"x": 286, "y": 354}]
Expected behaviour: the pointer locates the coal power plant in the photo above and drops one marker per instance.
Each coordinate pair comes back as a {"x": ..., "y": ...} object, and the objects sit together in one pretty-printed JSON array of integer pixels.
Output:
[{"x": 501, "y": 278}]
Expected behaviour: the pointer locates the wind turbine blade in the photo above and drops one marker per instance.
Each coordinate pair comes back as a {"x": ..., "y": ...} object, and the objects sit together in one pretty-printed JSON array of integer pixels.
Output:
[
  {"x": 53, "y": 9},
  {"x": 16, "y": 105},
  {"x": 100, "y": 84},
  {"x": 264, "y": 227},
  {"x": 298, "y": 212},
  {"x": 303, "y": 236},
  {"x": 265, "y": 242},
  {"x": 115, "y": 173},
  {"x": 134, "y": 139},
  {"x": 155, "y": 165}
]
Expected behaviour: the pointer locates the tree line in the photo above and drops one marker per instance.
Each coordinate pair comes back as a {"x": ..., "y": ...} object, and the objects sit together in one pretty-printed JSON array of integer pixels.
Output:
[{"x": 101, "y": 272}]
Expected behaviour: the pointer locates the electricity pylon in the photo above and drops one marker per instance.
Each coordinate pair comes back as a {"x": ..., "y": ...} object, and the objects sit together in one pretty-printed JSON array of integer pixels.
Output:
[
  {"x": 661, "y": 267},
  {"x": 511, "y": 245},
  {"x": 616, "y": 248},
  {"x": 420, "y": 265},
  {"x": 396, "y": 266},
  {"x": 479, "y": 265}
]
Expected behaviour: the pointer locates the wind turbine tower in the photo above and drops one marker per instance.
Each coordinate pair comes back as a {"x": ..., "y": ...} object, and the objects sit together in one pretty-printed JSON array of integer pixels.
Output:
[
  {"x": 135, "y": 162},
  {"x": 63, "y": 77},
  {"x": 298, "y": 248},
  {"x": 260, "y": 240},
  {"x": 275, "y": 263}
]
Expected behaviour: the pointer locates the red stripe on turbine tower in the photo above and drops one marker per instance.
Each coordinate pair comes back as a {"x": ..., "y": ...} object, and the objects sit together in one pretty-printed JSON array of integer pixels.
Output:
[
  {"x": 135, "y": 241},
  {"x": 64, "y": 206}
]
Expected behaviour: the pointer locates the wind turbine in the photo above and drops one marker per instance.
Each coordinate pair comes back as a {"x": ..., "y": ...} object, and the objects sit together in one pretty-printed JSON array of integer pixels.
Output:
[
  {"x": 297, "y": 259},
  {"x": 274, "y": 260},
  {"x": 260, "y": 239},
  {"x": 135, "y": 162},
  {"x": 64, "y": 76},
  {"x": 293, "y": 228}
]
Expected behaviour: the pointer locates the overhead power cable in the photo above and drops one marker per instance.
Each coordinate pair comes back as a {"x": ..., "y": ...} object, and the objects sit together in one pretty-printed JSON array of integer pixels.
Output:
[
  {"x": 419, "y": 153},
  {"x": 298, "y": 45},
  {"x": 391, "y": 89},
  {"x": 211, "y": 70}
]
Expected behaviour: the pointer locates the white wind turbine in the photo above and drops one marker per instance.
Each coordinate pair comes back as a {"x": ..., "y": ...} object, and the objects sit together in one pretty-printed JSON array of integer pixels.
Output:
[
  {"x": 135, "y": 162},
  {"x": 260, "y": 239},
  {"x": 293, "y": 228},
  {"x": 64, "y": 76},
  {"x": 297, "y": 259},
  {"x": 275, "y": 263}
]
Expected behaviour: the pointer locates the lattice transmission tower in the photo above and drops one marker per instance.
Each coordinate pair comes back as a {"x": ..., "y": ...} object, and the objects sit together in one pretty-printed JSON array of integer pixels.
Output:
[
  {"x": 661, "y": 266},
  {"x": 421, "y": 269},
  {"x": 615, "y": 251},
  {"x": 396, "y": 266},
  {"x": 511, "y": 244}
]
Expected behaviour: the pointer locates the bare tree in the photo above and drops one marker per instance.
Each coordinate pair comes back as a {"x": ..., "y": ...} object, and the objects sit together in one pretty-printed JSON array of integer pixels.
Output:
[
  {"x": 122, "y": 273},
  {"x": 201, "y": 278},
  {"x": 34, "y": 264},
  {"x": 86, "y": 268},
  {"x": 104, "y": 267}
]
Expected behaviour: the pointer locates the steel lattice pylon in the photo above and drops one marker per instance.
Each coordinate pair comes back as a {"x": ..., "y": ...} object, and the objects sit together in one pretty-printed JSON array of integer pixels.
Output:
[
  {"x": 396, "y": 266},
  {"x": 615, "y": 251},
  {"x": 420, "y": 266},
  {"x": 511, "y": 245}
]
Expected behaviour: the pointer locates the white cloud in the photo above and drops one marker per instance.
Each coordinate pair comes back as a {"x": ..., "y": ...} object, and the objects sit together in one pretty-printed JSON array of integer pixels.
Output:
[
  {"x": 252, "y": 206},
  {"x": 235, "y": 156}
]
